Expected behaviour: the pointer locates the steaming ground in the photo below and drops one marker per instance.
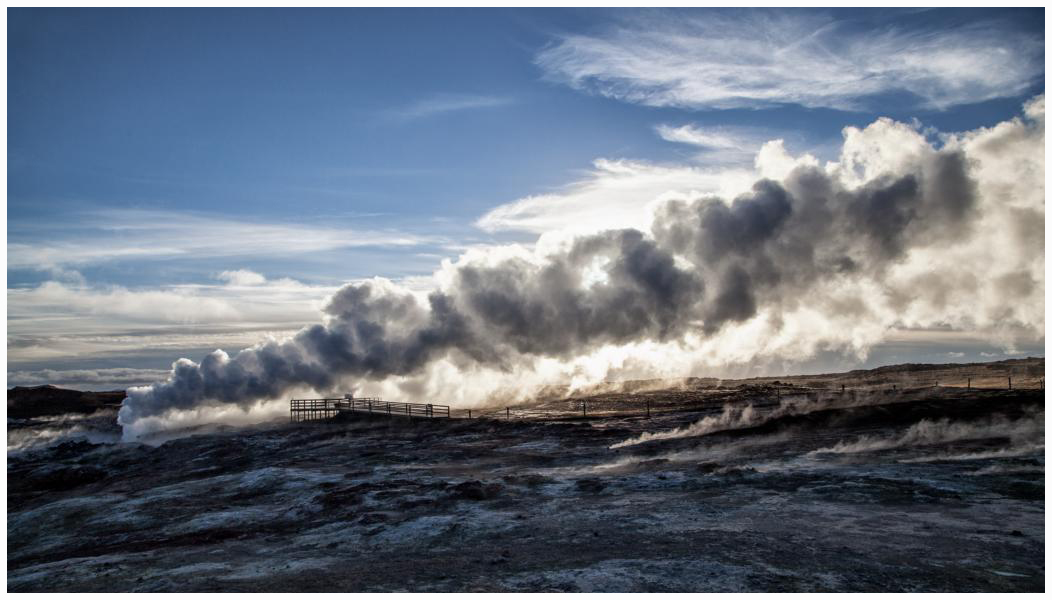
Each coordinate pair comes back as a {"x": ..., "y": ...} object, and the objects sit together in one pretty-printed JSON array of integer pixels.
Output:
[{"x": 765, "y": 487}]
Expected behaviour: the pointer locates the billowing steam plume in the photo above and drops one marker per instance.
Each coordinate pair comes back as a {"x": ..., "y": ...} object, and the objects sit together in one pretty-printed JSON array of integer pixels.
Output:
[{"x": 897, "y": 233}]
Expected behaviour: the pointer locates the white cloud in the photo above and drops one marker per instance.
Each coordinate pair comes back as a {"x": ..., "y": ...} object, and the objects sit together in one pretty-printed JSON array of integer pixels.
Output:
[
  {"x": 170, "y": 305},
  {"x": 60, "y": 321},
  {"x": 447, "y": 103},
  {"x": 282, "y": 301},
  {"x": 90, "y": 342},
  {"x": 615, "y": 194},
  {"x": 716, "y": 146},
  {"x": 771, "y": 58},
  {"x": 774, "y": 161},
  {"x": 114, "y": 378},
  {"x": 111, "y": 234},
  {"x": 714, "y": 139},
  {"x": 621, "y": 193},
  {"x": 242, "y": 277}
]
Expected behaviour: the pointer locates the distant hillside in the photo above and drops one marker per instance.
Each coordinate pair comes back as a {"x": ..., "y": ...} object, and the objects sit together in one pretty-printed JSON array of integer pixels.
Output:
[
  {"x": 1033, "y": 366},
  {"x": 28, "y": 402},
  {"x": 44, "y": 400},
  {"x": 1025, "y": 372}
]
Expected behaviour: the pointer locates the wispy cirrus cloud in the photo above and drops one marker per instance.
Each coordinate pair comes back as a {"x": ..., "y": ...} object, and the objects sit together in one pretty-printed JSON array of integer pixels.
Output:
[
  {"x": 712, "y": 139},
  {"x": 755, "y": 60},
  {"x": 243, "y": 298},
  {"x": 447, "y": 103},
  {"x": 720, "y": 145},
  {"x": 66, "y": 324},
  {"x": 108, "y": 235}
]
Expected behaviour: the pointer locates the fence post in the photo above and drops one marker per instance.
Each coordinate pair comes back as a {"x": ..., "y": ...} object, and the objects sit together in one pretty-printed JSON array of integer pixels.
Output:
[
  {"x": 584, "y": 407},
  {"x": 648, "y": 408},
  {"x": 841, "y": 388},
  {"x": 969, "y": 383},
  {"x": 469, "y": 413},
  {"x": 507, "y": 412},
  {"x": 1009, "y": 383}
]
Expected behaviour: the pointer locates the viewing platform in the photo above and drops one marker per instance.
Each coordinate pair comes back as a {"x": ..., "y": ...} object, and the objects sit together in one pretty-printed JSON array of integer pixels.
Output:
[{"x": 316, "y": 409}]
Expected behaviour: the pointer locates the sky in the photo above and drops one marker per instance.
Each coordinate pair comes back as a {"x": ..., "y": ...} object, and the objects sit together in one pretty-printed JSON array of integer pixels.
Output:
[{"x": 186, "y": 180}]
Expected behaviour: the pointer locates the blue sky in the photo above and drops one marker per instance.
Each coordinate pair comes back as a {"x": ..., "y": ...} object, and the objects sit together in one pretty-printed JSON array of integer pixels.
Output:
[{"x": 154, "y": 150}]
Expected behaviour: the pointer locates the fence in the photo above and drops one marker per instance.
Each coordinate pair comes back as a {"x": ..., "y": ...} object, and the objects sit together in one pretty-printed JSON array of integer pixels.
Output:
[
  {"x": 313, "y": 409},
  {"x": 761, "y": 395},
  {"x": 953, "y": 380}
]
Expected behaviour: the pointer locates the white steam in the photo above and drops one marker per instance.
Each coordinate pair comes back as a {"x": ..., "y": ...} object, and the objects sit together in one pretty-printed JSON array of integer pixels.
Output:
[
  {"x": 742, "y": 417},
  {"x": 732, "y": 417},
  {"x": 1026, "y": 434},
  {"x": 897, "y": 233}
]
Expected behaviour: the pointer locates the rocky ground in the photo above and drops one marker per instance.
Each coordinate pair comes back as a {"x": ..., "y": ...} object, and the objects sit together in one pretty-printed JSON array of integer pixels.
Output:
[{"x": 765, "y": 487}]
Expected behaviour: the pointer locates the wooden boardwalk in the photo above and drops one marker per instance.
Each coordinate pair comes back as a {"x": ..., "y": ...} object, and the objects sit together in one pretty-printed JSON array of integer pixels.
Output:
[{"x": 315, "y": 409}]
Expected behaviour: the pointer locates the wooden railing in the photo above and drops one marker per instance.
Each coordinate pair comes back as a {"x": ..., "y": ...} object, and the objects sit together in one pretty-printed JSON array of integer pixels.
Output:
[{"x": 311, "y": 409}]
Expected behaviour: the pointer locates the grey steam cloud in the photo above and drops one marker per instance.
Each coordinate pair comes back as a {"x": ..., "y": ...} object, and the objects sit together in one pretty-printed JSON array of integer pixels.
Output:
[{"x": 701, "y": 265}]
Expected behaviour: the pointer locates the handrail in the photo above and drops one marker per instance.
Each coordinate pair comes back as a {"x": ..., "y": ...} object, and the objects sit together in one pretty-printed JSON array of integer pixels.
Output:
[
  {"x": 323, "y": 408},
  {"x": 303, "y": 409}
]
